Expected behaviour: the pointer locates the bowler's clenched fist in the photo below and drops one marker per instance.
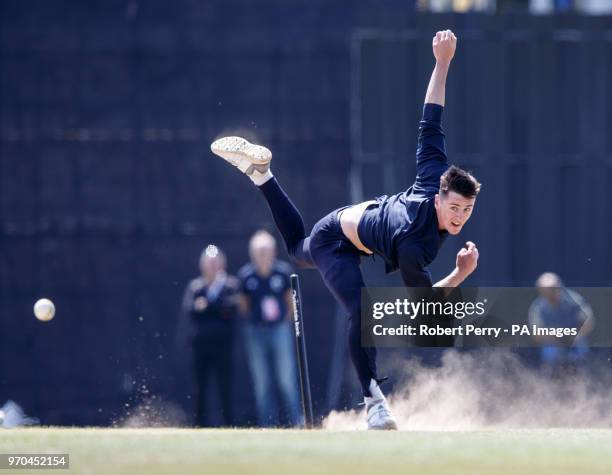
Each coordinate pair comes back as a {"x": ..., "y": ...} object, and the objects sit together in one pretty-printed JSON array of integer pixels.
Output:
[
  {"x": 467, "y": 258},
  {"x": 444, "y": 46}
]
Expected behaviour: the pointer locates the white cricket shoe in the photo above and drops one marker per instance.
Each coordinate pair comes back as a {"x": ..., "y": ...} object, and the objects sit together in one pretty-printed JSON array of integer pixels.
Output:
[
  {"x": 378, "y": 414},
  {"x": 247, "y": 157}
]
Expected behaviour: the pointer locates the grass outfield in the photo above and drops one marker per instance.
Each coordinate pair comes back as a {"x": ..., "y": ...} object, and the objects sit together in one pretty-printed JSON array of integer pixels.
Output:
[{"x": 189, "y": 451}]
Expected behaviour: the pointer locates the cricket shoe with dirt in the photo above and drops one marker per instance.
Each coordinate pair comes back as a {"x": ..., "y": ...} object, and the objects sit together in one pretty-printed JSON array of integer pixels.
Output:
[
  {"x": 378, "y": 414},
  {"x": 247, "y": 157}
]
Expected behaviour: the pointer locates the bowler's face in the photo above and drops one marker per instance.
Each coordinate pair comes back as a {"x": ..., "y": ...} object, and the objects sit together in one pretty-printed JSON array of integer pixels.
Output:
[{"x": 453, "y": 211}]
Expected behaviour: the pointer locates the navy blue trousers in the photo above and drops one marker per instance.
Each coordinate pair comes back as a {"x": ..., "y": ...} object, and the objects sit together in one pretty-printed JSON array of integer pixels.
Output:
[{"x": 337, "y": 259}]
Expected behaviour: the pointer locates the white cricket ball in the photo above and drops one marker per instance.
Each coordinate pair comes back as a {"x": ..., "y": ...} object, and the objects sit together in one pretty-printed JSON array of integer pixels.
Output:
[{"x": 44, "y": 310}]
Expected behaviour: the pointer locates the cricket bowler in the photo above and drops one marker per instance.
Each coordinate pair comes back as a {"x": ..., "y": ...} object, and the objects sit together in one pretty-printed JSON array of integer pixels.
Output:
[{"x": 406, "y": 229}]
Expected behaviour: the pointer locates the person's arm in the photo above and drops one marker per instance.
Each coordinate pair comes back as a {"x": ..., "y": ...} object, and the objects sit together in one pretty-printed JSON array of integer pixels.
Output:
[
  {"x": 444, "y": 45},
  {"x": 587, "y": 327},
  {"x": 187, "y": 302},
  {"x": 183, "y": 326},
  {"x": 244, "y": 305},
  {"x": 586, "y": 315},
  {"x": 229, "y": 299},
  {"x": 412, "y": 266},
  {"x": 414, "y": 273},
  {"x": 289, "y": 303},
  {"x": 465, "y": 264},
  {"x": 431, "y": 146},
  {"x": 287, "y": 270}
]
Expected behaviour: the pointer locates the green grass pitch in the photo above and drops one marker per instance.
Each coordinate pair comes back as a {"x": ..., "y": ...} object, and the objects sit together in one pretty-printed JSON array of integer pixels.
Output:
[{"x": 270, "y": 452}]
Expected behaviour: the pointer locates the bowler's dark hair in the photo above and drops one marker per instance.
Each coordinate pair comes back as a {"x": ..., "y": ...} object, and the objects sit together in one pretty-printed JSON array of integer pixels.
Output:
[{"x": 458, "y": 180}]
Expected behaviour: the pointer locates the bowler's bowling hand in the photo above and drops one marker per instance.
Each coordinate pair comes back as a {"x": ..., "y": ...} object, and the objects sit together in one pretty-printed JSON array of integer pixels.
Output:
[{"x": 467, "y": 259}]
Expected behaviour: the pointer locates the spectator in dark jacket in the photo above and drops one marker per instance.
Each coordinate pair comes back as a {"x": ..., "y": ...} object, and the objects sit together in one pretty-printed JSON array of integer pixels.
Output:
[{"x": 209, "y": 308}]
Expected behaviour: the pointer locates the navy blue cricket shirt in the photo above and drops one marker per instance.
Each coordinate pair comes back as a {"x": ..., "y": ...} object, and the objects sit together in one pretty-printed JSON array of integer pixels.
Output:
[
  {"x": 266, "y": 294},
  {"x": 403, "y": 228}
]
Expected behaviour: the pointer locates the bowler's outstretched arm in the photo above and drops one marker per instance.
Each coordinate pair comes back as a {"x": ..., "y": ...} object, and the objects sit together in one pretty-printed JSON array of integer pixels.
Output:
[{"x": 444, "y": 46}]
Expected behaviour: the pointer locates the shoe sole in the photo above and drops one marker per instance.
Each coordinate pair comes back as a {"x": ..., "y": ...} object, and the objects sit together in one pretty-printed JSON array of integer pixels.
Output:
[
  {"x": 237, "y": 150},
  {"x": 387, "y": 426}
]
